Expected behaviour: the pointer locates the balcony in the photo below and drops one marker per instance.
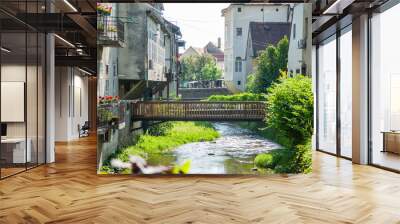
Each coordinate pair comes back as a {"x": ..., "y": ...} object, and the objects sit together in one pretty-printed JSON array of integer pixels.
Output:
[{"x": 110, "y": 31}]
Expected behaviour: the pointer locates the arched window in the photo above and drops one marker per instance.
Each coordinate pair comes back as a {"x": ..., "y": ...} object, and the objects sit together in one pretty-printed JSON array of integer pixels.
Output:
[{"x": 238, "y": 64}]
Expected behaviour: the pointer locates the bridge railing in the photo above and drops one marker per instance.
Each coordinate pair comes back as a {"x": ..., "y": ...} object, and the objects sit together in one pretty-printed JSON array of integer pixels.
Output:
[{"x": 199, "y": 110}]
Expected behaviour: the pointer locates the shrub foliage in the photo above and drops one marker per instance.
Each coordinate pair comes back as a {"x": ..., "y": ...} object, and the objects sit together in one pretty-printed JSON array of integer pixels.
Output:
[
  {"x": 290, "y": 113},
  {"x": 270, "y": 63},
  {"x": 238, "y": 97},
  {"x": 290, "y": 109}
]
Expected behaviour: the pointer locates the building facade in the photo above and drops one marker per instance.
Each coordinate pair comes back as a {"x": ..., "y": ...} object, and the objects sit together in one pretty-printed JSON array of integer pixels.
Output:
[
  {"x": 142, "y": 64},
  {"x": 237, "y": 20},
  {"x": 299, "y": 56},
  {"x": 261, "y": 35},
  {"x": 211, "y": 49}
]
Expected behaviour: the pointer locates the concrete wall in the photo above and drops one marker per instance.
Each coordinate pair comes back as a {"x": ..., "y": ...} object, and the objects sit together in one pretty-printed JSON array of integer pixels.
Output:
[
  {"x": 132, "y": 58},
  {"x": 202, "y": 93}
]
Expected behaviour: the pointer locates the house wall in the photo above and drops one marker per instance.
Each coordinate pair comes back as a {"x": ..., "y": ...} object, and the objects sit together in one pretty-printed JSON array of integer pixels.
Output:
[
  {"x": 155, "y": 51},
  {"x": 133, "y": 57},
  {"x": 235, "y": 46},
  {"x": 108, "y": 72},
  {"x": 189, "y": 52},
  {"x": 143, "y": 41},
  {"x": 301, "y": 26}
]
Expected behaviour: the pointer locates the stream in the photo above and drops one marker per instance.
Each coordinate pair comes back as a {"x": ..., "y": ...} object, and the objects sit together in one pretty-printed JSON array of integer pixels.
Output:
[{"x": 232, "y": 153}]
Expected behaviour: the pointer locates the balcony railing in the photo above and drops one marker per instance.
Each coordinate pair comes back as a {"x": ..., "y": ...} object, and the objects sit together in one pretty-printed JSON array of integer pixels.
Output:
[{"x": 110, "y": 31}]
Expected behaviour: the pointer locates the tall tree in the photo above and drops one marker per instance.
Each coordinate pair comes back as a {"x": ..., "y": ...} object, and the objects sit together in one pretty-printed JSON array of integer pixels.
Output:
[
  {"x": 270, "y": 63},
  {"x": 200, "y": 68}
]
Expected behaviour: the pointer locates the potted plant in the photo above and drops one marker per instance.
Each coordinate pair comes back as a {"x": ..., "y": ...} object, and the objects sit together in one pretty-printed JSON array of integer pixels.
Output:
[{"x": 103, "y": 9}]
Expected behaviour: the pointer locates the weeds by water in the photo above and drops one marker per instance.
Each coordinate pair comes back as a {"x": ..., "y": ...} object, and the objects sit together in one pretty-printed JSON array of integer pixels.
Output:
[{"x": 155, "y": 145}]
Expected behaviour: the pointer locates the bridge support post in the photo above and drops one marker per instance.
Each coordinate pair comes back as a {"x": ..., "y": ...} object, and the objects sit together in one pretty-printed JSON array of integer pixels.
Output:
[{"x": 147, "y": 96}]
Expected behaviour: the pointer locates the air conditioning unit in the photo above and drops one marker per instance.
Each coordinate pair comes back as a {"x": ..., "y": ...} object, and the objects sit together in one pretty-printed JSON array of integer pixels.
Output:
[{"x": 302, "y": 44}]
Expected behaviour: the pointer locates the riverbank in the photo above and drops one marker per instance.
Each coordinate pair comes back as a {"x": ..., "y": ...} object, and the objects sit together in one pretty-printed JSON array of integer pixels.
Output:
[
  {"x": 156, "y": 144},
  {"x": 268, "y": 133},
  {"x": 232, "y": 153}
]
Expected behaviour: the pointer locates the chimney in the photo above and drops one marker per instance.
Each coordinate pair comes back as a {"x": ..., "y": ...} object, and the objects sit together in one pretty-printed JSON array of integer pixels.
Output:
[{"x": 219, "y": 43}]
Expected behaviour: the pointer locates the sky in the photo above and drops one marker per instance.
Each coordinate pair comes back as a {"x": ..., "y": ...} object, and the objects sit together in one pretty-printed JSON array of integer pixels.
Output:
[{"x": 200, "y": 23}]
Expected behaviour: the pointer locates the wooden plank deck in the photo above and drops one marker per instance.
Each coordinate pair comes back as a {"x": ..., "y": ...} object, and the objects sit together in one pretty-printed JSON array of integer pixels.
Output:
[
  {"x": 69, "y": 191},
  {"x": 199, "y": 110}
]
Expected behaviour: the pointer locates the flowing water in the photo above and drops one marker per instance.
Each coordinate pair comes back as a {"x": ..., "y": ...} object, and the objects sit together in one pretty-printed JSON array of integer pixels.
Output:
[{"x": 232, "y": 153}]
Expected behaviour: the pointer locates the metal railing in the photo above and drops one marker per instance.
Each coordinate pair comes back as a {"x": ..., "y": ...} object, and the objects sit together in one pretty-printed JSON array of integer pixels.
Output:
[{"x": 110, "y": 29}]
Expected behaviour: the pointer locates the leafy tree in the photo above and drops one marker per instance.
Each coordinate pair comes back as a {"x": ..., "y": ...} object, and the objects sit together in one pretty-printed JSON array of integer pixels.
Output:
[
  {"x": 188, "y": 69},
  {"x": 210, "y": 71},
  {"x": 270, "y": 63},
  {"x": 200, "y": 68}
]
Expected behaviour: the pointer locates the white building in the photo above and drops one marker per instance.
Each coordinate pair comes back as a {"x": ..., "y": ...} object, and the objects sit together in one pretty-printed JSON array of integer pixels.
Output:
[
  {"x": 299, "y": 59},
  {"x": 237, "y": 19}
]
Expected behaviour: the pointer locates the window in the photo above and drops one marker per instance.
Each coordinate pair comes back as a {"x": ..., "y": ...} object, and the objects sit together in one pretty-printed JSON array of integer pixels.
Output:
[
  {"x": 239, "y": 82},
  {"x": 346, "y": 94},
  {"x": 150, "y": 64},
  {"x": 238, "y": 64},
  {"x": 239, "y": 31},
  {"x": 327, "y": 96},
  {"x": 106, "y": 69},
  {"x": 294, "y": 31},
  {"x": 305, "y": 27},
  {"x": 115, "y": 70},
  {"x": 385, "y": 89},
  {"x": 239, "y": 9},
  {"x": 106, "y": 87}
]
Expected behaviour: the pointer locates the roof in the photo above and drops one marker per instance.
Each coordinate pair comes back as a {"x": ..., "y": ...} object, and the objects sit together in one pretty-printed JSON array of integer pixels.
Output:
[
  {"x": 263, "y": 34},
  {"x": 198, "y": 50},
  {"x": 262, "y": 4},
  {"x": 210, "y": 48},
  {"x": 174, "y": 28}
]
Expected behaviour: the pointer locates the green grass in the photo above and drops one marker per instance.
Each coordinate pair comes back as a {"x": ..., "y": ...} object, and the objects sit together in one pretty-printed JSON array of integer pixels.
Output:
[
  {"x": 152, "y": 147},
  {"x": 238, "y": 97}
]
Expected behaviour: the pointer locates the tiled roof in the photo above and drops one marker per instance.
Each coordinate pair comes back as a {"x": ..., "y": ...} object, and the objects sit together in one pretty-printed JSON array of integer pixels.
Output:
[{"x": 265, "y": 33}]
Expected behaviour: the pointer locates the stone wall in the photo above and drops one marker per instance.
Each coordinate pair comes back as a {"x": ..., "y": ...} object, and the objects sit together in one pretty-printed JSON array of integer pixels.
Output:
[{"x": 201, "y": 93}]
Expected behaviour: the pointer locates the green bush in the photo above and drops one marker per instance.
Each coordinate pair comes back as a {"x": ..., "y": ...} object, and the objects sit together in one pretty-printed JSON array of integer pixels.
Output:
[
  {"x": 238, "y": 97},
  {"x": 270, "y": 63},
  {"x": 264, "y": 161},
  {"x": 290, "y": 113},
  {"x": 160, "y": 129},
  {"x": 290, "y": 109},
  {"x": 295, "y": 160}
]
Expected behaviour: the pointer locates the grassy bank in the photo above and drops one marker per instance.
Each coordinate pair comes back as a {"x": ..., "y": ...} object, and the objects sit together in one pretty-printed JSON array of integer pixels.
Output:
[
  {"x": 268, "y": 133},
  {"x": 238, "y": 97},
  {"x": 164, "y": 138}
]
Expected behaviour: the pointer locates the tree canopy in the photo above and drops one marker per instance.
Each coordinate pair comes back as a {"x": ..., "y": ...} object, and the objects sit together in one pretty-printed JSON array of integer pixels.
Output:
[
  {"x": 200, "y": 68},
  {"x": 270, "y": 63}
]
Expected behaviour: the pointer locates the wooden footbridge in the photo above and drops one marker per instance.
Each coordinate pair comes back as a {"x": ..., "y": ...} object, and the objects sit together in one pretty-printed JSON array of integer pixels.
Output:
[{"x": 199, "y": 110}]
